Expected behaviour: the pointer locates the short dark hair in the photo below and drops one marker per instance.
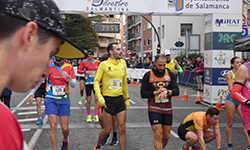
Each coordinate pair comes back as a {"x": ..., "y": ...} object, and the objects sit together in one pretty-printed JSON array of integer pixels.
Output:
[
  {"x": 212, "y": 111},
  {"x": 160, "y": 56},
  {"x": 91, "y": 51},
  {"x": 110, "y": 46},
  {"x": 9, "y": 25}
]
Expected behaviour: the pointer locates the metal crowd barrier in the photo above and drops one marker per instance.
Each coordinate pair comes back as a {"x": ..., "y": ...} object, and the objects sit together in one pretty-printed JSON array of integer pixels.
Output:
[{"x": 188, "y": 78}]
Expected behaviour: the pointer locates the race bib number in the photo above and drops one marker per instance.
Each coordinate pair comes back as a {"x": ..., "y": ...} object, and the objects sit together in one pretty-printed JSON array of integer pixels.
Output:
[
  {"x": 115, "y": 84},
  {"x": 92, "y": 74},
  {"x": 157, "y": 100},
  {"x": 58, "y": 90}
]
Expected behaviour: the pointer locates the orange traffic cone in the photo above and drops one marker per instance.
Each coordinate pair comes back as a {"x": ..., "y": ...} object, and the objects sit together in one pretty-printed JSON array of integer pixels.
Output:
[
  {"x": 137, "y": 83},
  {"x": 218, "y": 105},
  {"x": 185, "y": 98},
  {"x": 132, "y": 81},
  {"x": 198, "y": 98}
]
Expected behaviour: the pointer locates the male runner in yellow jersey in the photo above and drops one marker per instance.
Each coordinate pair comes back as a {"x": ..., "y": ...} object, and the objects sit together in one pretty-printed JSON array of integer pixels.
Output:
[
  {"x": 115, "y": 99},
  {"x": 172, "y": 63}
]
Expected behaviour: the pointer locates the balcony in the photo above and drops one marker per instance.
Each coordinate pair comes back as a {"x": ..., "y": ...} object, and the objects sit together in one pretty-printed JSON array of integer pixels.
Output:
[
  {"x": 137, "y": 19},
  {"x": 130, "y": 36},
  {"x": 138, "y": 35},
  {"x": 131, "y": 48},
  {"x": 131, "y": 23},
  {"x": 138, "y": 48}
]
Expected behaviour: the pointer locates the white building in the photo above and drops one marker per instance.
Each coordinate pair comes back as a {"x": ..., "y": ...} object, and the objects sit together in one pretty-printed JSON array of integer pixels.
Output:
[{"x": 172, "y": 31}]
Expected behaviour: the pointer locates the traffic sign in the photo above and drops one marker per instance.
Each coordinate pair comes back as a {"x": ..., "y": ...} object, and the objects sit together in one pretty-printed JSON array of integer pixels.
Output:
[
  {"x": 124, "y": 48},
  {"x": 244, "y": 31},
  {"x": 129, "y": 52},
  {"x": 123, "y": 52}
]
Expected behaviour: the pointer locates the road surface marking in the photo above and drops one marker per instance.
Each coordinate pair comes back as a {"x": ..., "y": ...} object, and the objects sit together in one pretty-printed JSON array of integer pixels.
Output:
[
  {"x": 27, "y": 113},
  {"x": 26, "y": 120},
  {"x": 174, "y": 134}
]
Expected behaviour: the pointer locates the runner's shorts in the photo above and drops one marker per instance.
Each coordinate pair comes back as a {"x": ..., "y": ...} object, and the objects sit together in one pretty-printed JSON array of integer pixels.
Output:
[
  {"x": 158, "y": 118},
  {"x": 114, "y": 104},
  {"x": 182, "y": 132},
  {"x": 40, "y": 92},
  {"x": 55, "y": 106},
  {"x": 82, "y": 78},
  {"x": 228, "y": 98},
  {"x": 89, "y": 88}
]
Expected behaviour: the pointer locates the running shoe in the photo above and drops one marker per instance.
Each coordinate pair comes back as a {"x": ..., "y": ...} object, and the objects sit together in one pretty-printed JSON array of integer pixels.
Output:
[
  {"x": 39, "y": 122},
  {"x": 65, "y": 145},
  {"x": 248, "y": 148},
  {"x": 106, "y": 139},
  {"x": 183, "y": 148},
  {"x": 95, "y": 118},
  {"x": 230, "y": 148},
  {"x": 89, "y": 119},
  {"x": 80, "y": 102},
  {"x": 96, "y": 148},
  {"x": 114, "y": 141}
]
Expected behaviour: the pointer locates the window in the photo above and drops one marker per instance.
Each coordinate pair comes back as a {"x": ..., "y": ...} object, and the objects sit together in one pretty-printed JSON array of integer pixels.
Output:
[
  {"x": 163, "y": 31},
  {"x": 144, "y": 26},
  {"x": 159, "y": 31},
  {"x": 144, "y": 42},
  {"x": 186, "y": 27},
  {"x": 149, "y": 41},
  {"x": 154, "y": 36},
  {"x": 148, "y": 25}
]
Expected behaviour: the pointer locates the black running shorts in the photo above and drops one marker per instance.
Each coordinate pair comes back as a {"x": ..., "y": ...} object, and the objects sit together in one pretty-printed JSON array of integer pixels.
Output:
[
  {"x": 82, "y": 78},
  {"x": 40, "y": 92},
  {"x": 114, "y": 104},
  {"x": 158, "y": 118},
  {"x": 89, "y": 88},
  {"x": 182, "y": 132}
]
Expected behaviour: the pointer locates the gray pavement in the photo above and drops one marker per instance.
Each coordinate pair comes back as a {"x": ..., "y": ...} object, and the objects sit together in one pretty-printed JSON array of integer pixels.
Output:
[{"x": 84, "y": 136}]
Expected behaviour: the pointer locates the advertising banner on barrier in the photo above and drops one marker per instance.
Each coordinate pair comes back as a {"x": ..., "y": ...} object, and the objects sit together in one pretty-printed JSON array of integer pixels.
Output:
[
  {"x": 154, "y": 7},
  {"x": 215, "y": 76},
  {"x": 224, "y": 40},
  {"x": 136, "y": 73},
  {"x": 218, "y": 58},
  {"x": 223, "y": 23},
  {"x": 213, "y": 93},
  {"x": 220, "y": 40}
]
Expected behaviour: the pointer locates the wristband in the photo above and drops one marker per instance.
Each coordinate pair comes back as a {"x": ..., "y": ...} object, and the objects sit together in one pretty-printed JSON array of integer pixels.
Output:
[{"x": 180, "y": 69}]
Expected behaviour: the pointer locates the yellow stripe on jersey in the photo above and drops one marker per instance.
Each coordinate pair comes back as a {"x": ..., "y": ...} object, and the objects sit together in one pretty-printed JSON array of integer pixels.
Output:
[{"x": 113, "y": 75}]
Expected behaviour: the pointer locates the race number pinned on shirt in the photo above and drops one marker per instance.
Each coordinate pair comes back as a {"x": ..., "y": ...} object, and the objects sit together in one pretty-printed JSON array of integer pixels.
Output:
[
  {"x": 115, "y": 84},
  {"x": 92, "y": 74},
  {"x": 157, "y": 100},
  {"x": 58, "y": 90}
]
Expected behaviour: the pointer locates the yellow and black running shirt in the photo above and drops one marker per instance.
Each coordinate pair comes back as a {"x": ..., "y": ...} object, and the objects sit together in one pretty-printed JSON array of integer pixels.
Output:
[
  {"x": 197, "y": 120},
  {"x": 113, "y": 75},
  {"x": 170, "y": 65}
]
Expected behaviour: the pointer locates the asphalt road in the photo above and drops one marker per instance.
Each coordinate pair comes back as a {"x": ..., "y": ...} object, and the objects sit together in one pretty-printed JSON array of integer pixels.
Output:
[{"x": 84, "y": 136}]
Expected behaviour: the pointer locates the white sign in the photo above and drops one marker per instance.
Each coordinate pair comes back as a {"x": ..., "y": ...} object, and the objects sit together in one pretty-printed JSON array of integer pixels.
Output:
[
  {"x": 129, "y": 52},
  {"x": 227, "y": 22},
  {"x": 124, "y": 48},
  {"x": 154, "y": 7},
  {"x": 123, "y": 52},
  {"x": 213, "y": 93}
]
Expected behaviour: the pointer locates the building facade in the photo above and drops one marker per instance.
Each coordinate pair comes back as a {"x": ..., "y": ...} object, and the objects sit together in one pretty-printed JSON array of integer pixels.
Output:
[{"x": 134, "y": 36}]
